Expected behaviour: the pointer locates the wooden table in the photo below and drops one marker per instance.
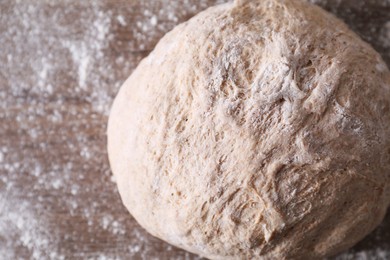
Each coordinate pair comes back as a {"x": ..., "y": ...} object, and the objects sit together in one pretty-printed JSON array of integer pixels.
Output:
[{"x": 61, "y": 64}]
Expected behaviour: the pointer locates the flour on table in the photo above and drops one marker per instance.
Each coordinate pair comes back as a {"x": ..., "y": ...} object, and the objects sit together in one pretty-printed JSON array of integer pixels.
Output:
[
  {"x": 64, "y": 61},
  {"x": 385, "y": 35},
  {"x": 25, "y": 227}
]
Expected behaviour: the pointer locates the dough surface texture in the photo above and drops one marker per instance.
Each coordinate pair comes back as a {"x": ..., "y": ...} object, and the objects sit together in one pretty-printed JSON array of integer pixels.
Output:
[{"x": 256, "y": 130}]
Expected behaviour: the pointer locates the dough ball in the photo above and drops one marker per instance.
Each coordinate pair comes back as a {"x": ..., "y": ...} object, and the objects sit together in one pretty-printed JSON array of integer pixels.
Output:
[{"x": 257, "y": 129}]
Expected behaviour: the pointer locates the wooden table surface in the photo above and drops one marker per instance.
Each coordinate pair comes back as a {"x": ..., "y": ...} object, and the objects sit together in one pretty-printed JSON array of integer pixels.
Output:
[{"x": 61, "y": 64}]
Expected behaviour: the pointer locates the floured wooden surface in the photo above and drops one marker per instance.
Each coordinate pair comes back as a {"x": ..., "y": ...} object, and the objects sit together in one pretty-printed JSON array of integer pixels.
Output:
[{"x": 62, "y": 64}]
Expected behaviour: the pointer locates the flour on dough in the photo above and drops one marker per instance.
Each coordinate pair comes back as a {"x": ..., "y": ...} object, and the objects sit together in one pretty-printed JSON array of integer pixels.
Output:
[{"x": 256, "y": 130}]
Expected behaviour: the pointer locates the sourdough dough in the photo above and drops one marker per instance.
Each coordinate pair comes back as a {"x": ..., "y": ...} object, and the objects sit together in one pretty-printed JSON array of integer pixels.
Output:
[{"x": 258, "y": 129}]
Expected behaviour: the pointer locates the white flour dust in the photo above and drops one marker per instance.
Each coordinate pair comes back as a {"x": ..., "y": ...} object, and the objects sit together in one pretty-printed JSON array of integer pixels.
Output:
[{"x": 63, "y": 63}]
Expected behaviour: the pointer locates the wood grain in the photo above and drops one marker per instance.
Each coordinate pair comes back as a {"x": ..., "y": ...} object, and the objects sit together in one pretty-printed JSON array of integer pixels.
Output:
[{"x": 62, "y": 62}]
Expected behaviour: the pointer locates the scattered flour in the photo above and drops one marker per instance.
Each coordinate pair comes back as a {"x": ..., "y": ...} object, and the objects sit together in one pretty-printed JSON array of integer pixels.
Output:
[
  {"x": 121, "y": 20},
  {"x": 153, "y": 21},
  {"x": 64, "y": 63},
  {"x": 385, "y": 35},
  {"x": 24, "y": 227}
]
